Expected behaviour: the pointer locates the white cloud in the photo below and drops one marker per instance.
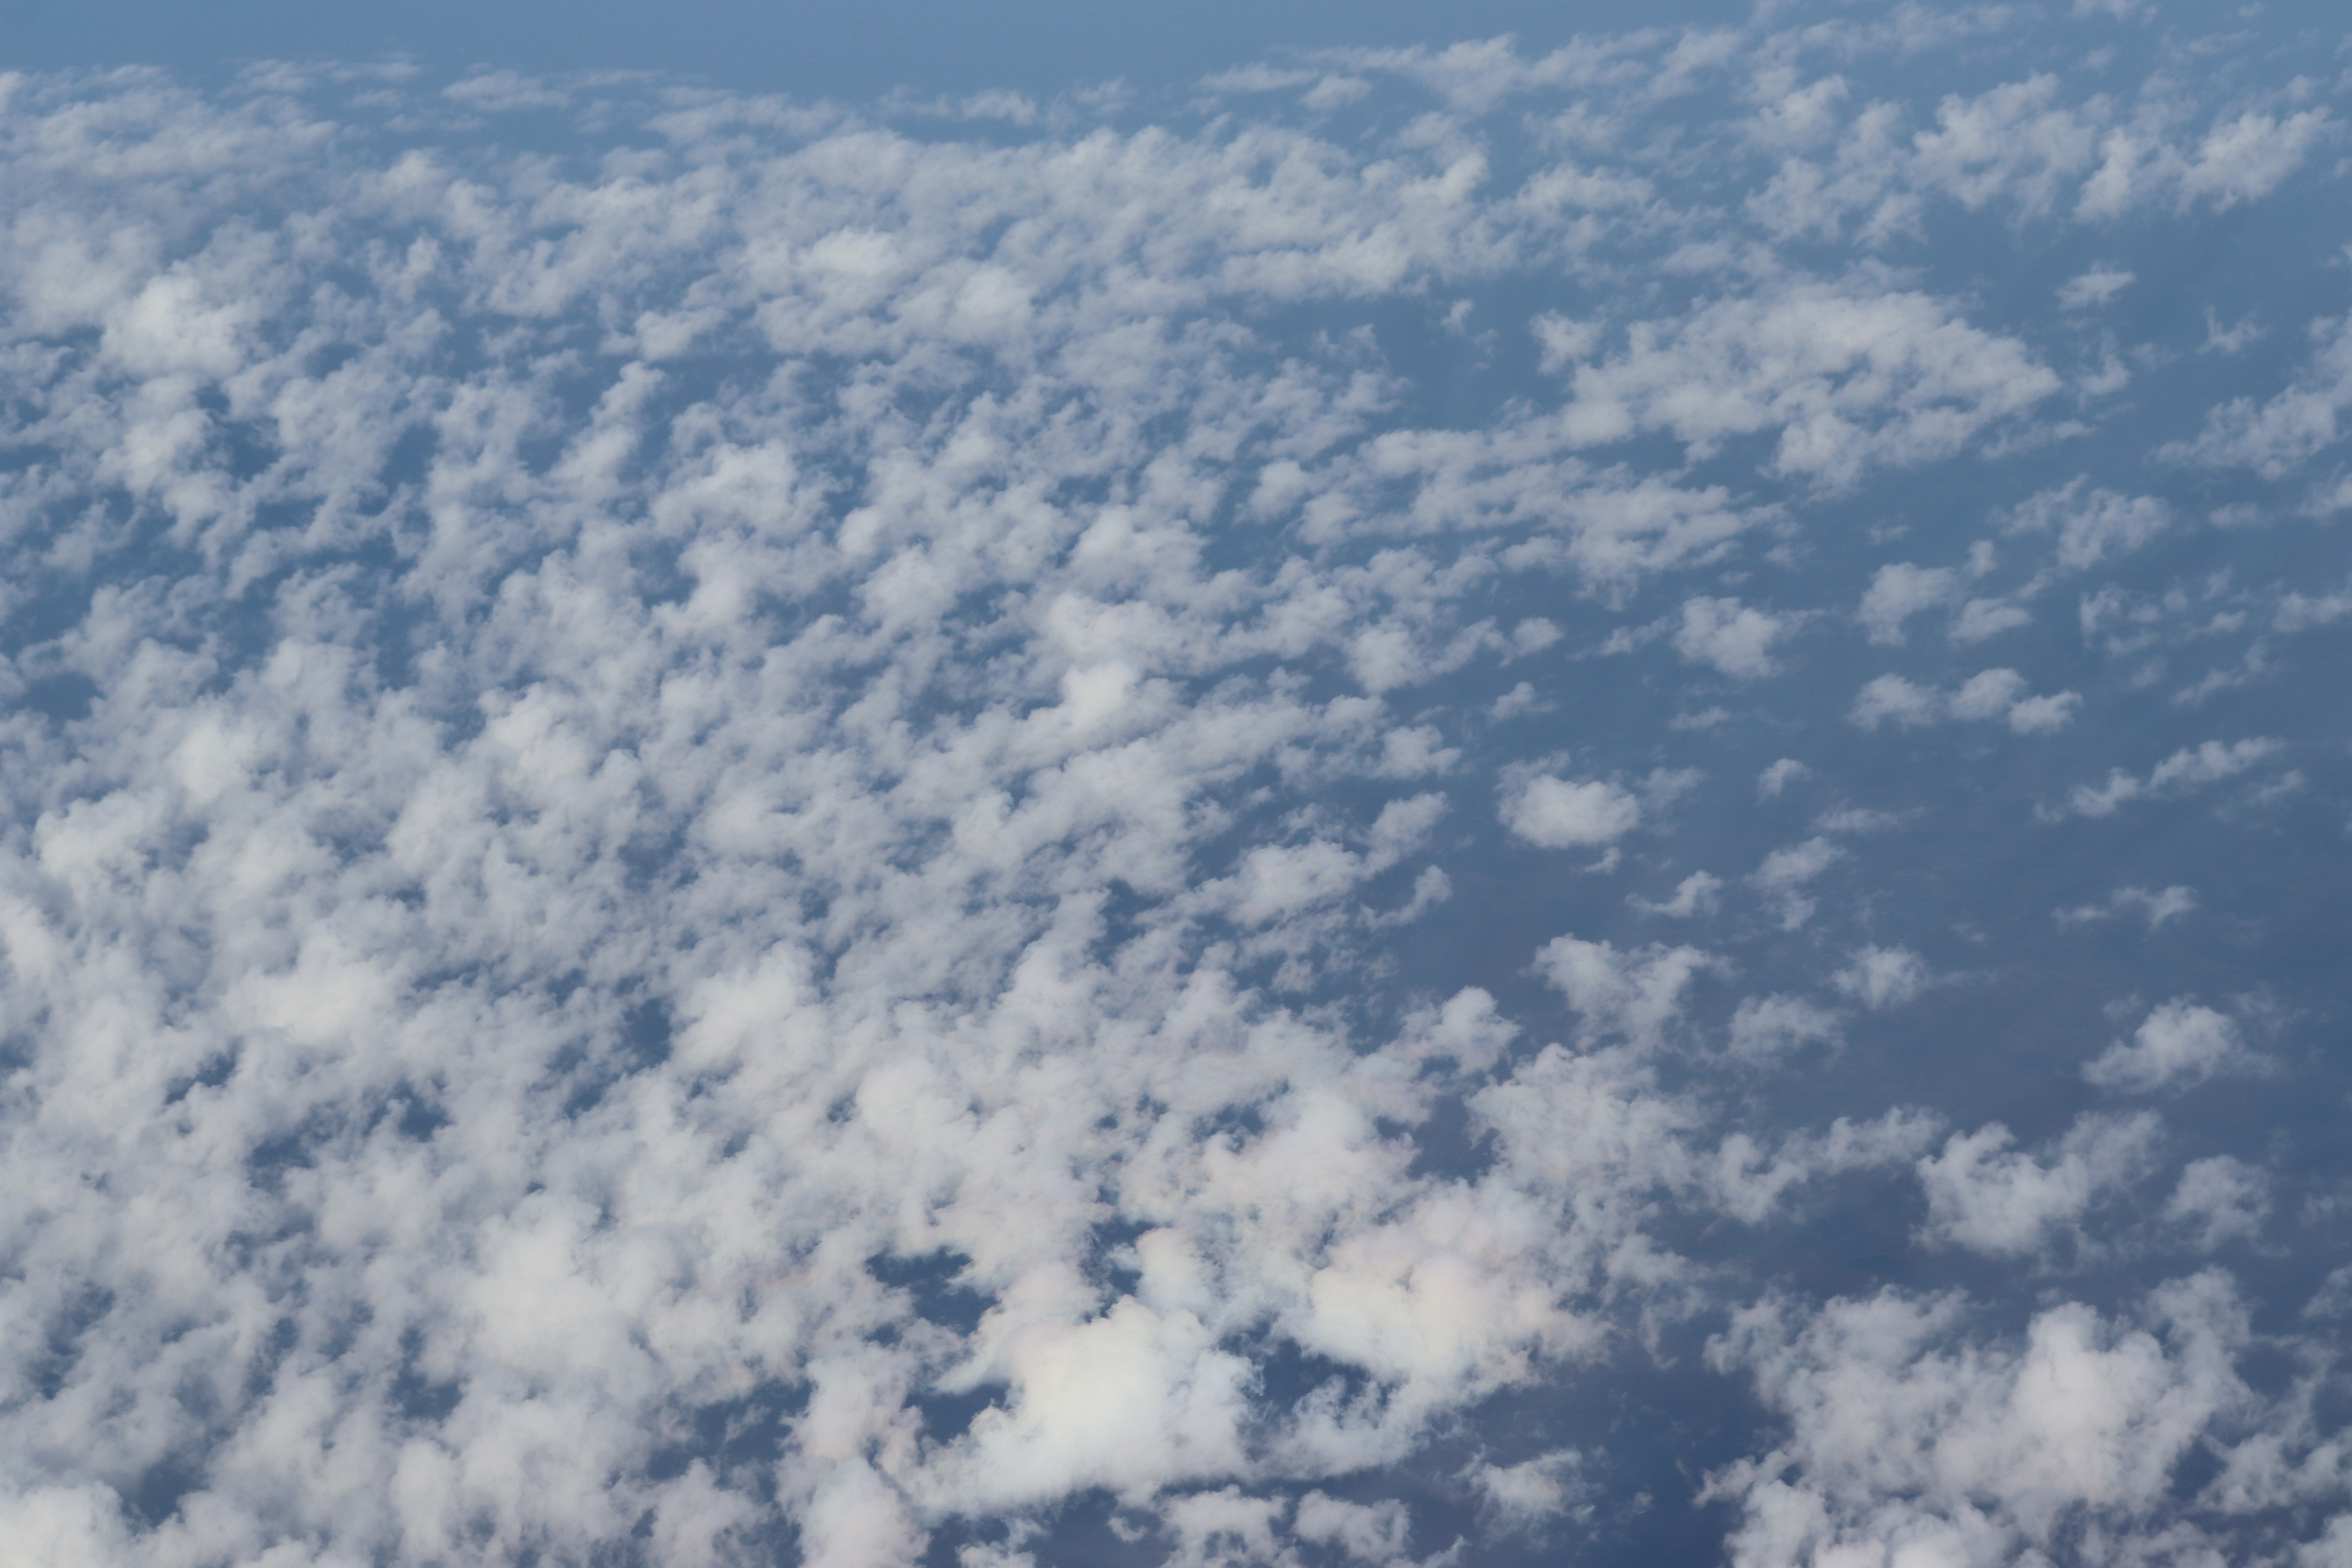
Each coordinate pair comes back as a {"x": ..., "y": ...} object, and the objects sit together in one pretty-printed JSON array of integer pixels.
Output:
[
  {"x": 501, "y": 92},
  {"x": 1883, "y": 978},
  {"x": 1987, "y": 1197},
  {"x": 2091, "y": 526},
  {"x": 2222, "y": 1199},
  {"x": 2191, "y": 767},
  {"x": 1565, "y": 813},
  {"x": 1532, "y": 1491},
  {"x": 1636, "y": 995},
  {"x": 2278, "y": 434},
  {"x": 1133, "y": 1400},
  {"x": 730, "y": 773},
  {"x": 1900, "y": 591},
  {"x": 1786, "y": 870},
  {"x": 1765, "y": 1029},
  {"x": 2179, "y": 1044},
  {"x": 1849, "y": 379},
  {"x": 1982, "y": 618},
  {"x": 1465, "y": 1028},
  {"x": 1988, "y": 694},
  {"x": 1730, "y": 636},
  {"x": 2092, "y": 289},
  {"x": 1563, "y": 341},
  {"x": 2248, "y": 156},
  {"x": 1368, "y": 1532},
  {"x": 1910, "y": 1440},
  {"x": 1778, "y": 777},
  {"x": 2157, "y": 907},
  {"x": 1696, "y": 894}
]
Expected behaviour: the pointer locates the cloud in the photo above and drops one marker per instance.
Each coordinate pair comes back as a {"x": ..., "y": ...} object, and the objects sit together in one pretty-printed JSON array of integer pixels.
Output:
[
  {"x": 2179, "y": 1044},
  {"x": 2222, "y": 1199},
  {"x": 1636, "y": 995},
  {"x": 1982, "y": 618},
  {"x": 2273, "y": 437},
  {"x": 1696, "y": 894},
  {"x": 1562, "y": 813},
  {"x": 1988, "y": 694},
  {"x": 2094, "y": 526},
  {"x": 1987, "y": 1197},
  {"x": 665, "y": 858},
  {"x": 1849, "y": 379},
  {"x": 1883, "y": 978},
  {"x": 2092, "y": 289},
  {"x": 1785, "y": 871},
  {"x": 1133, "y": 1400},
  {"x": 725, "y": 841},
  {"x": 1777, "y": 776},
  {"x": 2157, "y": 907},
  {"x": 504, "y": 93},
  {"x": 1532, "y": 1491},
  {"x": 1729, "y": 638},
  {"x": 1900, "y": 591},
  {"x": 1765, "y": 1029},
  {"x": 1907, "y": 1437},
  {"x": 2190, "y": 767},
  {"x": 1368, "y": 1532}
]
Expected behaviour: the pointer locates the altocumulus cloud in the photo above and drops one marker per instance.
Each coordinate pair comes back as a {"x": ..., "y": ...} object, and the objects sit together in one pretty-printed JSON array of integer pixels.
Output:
[{"x": 722, "y": 845}]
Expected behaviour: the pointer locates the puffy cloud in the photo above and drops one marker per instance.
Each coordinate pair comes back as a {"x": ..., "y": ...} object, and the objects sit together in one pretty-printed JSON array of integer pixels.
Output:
[
  {"x": 1778, "y": 777},
  {"x": 1635, "y": 994},
  {"x": 1368, "y": 1532},
  {"x": 1786, "y": 871},
  {"x": 2222, "y": 1198},
  {"x": 2247, "y": 157},
  {"x": 2179, "y": 1044},
  {"x": 1765, "y": 1029},
  {"x": 2092, "y": 289},
  {"x": 1988, "y": 694},
  {"x": 1696, "y": 894},
  {"x": 1730, "y": 636},
  {"x": 2094, "y": 526},
  {"x": 2275, "y": 436},
  {"x": 1908, "y": 1442},
  {"x": 1848, "y": 379},
  {"x": 735, "y": 841},
  {"x": 2190, "y": 767},
  {"x": 1987, "y": 1197},
  {"x": 1532, "y": 1491},
  {"x": 1133, "y": 1400},
  {"x": 1883, "y": 977},
  {"x": 1982, "y": 618},
  {"x": 1900, "y": 591},
  {"x": 717, "y": 843},
  {"x": 1562, "y": 813}
]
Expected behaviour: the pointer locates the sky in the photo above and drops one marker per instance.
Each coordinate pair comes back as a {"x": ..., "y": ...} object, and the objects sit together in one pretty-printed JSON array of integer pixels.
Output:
[
  {"x": 827, "y": 51},
  {"x": 1246, "y": 787}
]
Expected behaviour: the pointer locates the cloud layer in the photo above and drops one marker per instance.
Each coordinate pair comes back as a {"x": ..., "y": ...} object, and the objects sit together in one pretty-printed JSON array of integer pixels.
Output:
[{"x": 746, "y": 831}]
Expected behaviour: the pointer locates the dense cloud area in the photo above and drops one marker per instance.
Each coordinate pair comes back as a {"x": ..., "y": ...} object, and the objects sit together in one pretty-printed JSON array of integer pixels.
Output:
[{"x": 1426, "y": 808}]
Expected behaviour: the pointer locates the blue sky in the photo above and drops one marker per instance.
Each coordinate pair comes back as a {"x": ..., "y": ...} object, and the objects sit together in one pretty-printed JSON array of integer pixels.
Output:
[
  {"x": 853, "y": 51},
  {"x": 1400, "y": 799}
]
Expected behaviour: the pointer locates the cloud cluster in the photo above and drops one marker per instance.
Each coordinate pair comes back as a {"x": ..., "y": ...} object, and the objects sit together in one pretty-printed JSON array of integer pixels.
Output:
[
  {"x": 793, "y": 835},
  {"x": 1910, "y": 1442},
  {"x": 1988, "y": 694}
]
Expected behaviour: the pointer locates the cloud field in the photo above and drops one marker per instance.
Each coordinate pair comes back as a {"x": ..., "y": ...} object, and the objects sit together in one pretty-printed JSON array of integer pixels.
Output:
[{"x": 1426, "y": 808}]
